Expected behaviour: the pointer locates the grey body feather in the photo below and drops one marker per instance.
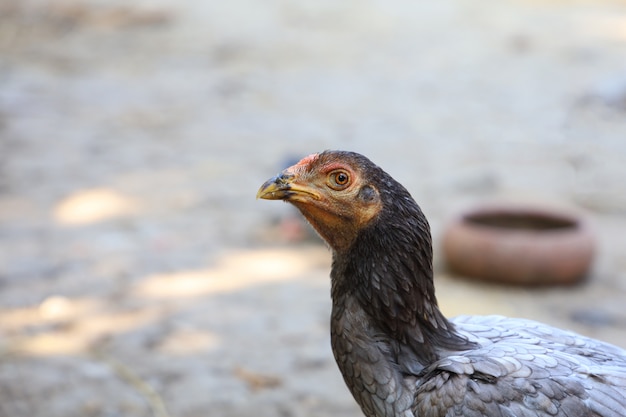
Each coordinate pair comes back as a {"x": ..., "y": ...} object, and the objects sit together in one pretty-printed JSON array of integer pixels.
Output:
[{"x": 519, "y": 368}]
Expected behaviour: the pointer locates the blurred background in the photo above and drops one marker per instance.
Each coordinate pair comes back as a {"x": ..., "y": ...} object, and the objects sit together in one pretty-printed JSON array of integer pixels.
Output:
[{"x": 139, "y": 276}]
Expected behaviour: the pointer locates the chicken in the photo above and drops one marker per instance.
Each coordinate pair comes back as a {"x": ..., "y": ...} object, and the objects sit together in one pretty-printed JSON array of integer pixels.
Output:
[{"x": 398, "y": 354}]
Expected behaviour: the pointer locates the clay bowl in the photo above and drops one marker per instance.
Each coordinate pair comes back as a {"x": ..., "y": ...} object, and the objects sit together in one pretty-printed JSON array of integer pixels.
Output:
[{"x": 519, "y": 245}]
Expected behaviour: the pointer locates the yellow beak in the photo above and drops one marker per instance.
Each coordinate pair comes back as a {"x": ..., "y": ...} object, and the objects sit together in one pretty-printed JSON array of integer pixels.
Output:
[{"x": 285, "y": 187}]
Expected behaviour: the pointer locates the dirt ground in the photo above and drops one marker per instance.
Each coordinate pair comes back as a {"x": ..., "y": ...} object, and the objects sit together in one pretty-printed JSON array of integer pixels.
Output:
[{"x": 138, "y": 274}]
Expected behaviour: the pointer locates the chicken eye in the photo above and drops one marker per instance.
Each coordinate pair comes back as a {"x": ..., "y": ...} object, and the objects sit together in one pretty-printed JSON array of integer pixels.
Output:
[{"x": 339, "y": 180}]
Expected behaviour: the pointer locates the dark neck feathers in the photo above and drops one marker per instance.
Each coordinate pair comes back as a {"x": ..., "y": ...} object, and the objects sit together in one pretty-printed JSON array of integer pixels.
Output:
[{"x": 388, "y": 269}]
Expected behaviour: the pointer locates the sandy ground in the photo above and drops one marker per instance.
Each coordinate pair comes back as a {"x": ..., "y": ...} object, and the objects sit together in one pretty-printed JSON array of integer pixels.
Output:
[{"x": 139, "y": 276}]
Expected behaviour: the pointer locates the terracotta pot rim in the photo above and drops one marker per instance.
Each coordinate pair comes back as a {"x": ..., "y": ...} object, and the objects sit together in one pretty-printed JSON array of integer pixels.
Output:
[{"x": 542, "y": 220}]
